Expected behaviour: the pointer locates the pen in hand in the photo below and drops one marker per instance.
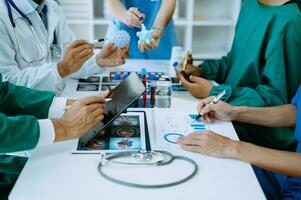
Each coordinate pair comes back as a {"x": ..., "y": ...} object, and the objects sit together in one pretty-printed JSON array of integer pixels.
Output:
[{"x": 214, "y": 101}]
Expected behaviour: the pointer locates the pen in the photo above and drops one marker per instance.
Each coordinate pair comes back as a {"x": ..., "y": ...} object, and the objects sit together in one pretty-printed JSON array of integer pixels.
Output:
[
  {"x": 214, "y": 101},
  {"x": 95, "y": 42},
  {"x": 107, "y": 100}
]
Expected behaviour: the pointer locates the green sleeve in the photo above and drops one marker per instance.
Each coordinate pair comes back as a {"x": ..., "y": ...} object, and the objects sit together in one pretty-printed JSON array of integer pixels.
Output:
[
  {"x": 19, "y": 109},
  {"x": 16, "y": 100},
  {"x": 18, "y": 133},
  {"x": 216, "y": 69},
  {"x": 280, "y": 78}
]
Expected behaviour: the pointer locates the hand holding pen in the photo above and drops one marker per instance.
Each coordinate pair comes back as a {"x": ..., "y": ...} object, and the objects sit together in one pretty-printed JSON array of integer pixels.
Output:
[{"x": 213, "y": 108}]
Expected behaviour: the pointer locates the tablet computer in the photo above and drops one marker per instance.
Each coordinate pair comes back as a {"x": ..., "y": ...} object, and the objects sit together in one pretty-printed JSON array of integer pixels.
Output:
[
  {"x": 128, "y": 132},
  {"x": 122, "y": 97}
]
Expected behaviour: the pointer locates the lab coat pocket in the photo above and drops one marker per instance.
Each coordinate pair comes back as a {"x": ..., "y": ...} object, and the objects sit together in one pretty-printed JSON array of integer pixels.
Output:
[{"x": 30, "y": 47}]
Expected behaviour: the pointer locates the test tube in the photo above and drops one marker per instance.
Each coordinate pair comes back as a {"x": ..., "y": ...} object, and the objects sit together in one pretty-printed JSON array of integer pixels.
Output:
[
  {"x": 144, "y": 81},
  {"x": 177, "y": 67},
  {"x": 153, "y": 80}
]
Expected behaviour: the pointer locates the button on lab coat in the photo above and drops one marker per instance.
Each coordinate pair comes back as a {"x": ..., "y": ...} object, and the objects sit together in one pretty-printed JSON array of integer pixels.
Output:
[{"x": 20, "y": 52}]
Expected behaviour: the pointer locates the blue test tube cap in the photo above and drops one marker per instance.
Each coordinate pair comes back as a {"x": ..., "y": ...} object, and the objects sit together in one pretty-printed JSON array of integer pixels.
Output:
[
  {"x": 143, "y": 71},
  {"x": 124, "y": 76},
  {"x": 116, "y": 77},
  {"x": 175, "y": 64},
  {"x": 152, "y": 77}
]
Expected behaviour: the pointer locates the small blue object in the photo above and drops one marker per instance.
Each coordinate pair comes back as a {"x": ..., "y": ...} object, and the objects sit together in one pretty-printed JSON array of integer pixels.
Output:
[
  {"x": 152, "y": 77},
  {"x": 194, "y": 116},
  {"x": 145, "y": 35},
  {"x": 143, "y": 71},
  {"x": 116, "y": 77},
  {"x": 121, "y": 39},
  {"x": 175, "y": 64},
  {"x": 124, "y": 76}
]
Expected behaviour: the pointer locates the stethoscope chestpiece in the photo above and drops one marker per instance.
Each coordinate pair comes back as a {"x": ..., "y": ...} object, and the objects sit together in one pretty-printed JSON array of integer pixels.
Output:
[{"x": 143, "y": 155}]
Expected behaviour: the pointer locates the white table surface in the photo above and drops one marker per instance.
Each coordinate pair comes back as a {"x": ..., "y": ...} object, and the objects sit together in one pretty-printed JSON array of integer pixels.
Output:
[{"x": 53, "y": 173}]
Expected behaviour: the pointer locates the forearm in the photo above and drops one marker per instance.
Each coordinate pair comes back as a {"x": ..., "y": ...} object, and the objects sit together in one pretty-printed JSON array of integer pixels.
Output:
[
  {"x": 287, "y": 163},
  {"x": 117, "y": 8},
  {"x": 165, "y": 13},
  {"x": 280, "y": 116}
]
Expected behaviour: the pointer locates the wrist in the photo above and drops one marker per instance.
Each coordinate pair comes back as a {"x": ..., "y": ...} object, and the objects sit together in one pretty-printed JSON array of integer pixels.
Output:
[
  {"x": 98, "y": 60},
  {"x": 234, "y": 149},
  {"x": 234, "y": 113},
  {"x": 61, "y": 70},
  {"x": 70, "y": 102},
  {"x": 60, "y": 130},
  {"x": 159, "y": 29}
]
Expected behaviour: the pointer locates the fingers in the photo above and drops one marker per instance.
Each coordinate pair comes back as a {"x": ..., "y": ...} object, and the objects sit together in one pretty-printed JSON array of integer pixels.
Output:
[
  {"x": 96, "y": 113},
  {"x": 186, "y": 83},
  {"x": 84, "y": 59},
  {"x": 136, "y": 12},
  {"x": 196, "y": 149},
  {"x": 196, "y": 79},
  {"x": 105, "y": 94},
  {"x": 85, "y": 53},
  {"x": 77, "y": 43},
  {"x": 93, "y": 100},
  {"x": 135, "y": 17},
  {"x": 203, "y": 103},
  {"x": 92, "y": 107}
]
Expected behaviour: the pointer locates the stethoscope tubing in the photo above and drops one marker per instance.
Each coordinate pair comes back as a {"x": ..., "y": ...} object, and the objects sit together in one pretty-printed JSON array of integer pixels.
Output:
[{"x": 159, "y": 163}]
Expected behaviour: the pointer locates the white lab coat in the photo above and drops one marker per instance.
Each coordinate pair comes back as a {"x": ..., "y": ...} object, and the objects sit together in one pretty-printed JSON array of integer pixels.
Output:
[{"x": 38, "y": 74}]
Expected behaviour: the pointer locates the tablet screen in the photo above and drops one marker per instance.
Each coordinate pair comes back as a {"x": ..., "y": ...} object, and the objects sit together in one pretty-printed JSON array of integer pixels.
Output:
[{"x": 122, "y": 97}]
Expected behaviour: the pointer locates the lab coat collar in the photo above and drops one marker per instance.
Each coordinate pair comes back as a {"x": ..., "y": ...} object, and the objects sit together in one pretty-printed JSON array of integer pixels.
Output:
[
  {"x": 38, "y": 7},
  {"x": 53, "y": 18},
  {"x": 24, "y": 6}
]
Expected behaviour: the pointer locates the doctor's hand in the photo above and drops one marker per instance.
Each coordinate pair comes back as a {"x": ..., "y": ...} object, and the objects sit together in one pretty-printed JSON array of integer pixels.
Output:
[
  {"x": 76, "y": 54},
  {"x": 220, "y": 111},
  {"x": 198, "y": 87},
  {"x": 157, "y": 34},
  {"x": 112, "y": 56},
  {"x": 209, "y": 143},
  {"x": 133, "y": 17},
  {"x": 193, "y": 70},
  {"x": 82, "y": 116}
]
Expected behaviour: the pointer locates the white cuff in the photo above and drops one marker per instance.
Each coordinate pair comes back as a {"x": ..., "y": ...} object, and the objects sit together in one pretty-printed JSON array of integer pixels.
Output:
[
  {"x": 57, "y": 108},
  {"x": 47, "y": 133},
  {"x": 60, "y": 82},
  {"x": 88, "y": 69}
]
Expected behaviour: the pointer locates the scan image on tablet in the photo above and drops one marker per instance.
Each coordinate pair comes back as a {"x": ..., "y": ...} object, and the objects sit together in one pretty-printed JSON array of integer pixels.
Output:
[{"x": 125, "y": 133}]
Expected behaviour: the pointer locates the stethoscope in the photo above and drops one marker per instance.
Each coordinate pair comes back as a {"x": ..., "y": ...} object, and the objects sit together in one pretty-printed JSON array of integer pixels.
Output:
[
  {"x": 54, "y": 49},
  {"x": 144, "y": 158}
]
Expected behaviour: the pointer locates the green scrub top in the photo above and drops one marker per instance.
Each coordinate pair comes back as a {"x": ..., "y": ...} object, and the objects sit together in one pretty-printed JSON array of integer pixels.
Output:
[
  {"x": 263, "y": 67},
  {"x": 20, "y": 108}
]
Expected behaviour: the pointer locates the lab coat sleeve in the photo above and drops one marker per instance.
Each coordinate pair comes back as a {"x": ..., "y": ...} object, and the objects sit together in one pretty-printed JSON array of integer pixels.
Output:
[
  {"x": 216, "y": 69},
  {"x": 90, "y": 67},
  {"x": 44, "y": 77}
]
